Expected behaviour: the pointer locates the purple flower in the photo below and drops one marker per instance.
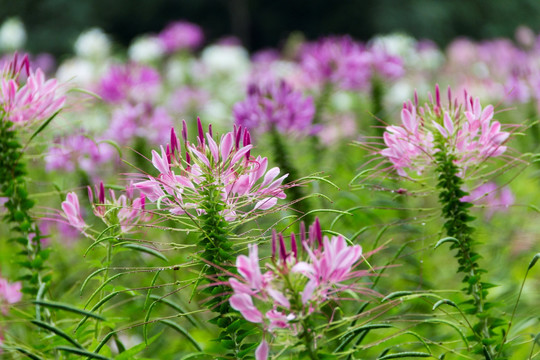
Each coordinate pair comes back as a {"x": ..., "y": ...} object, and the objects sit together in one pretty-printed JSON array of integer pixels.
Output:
[
  {"x": 491, "y": 196},
  {"x": 130, "y": 82},
  {"x": 275, "y": 105},
  {"x": 188, "y": 100},
  {"x": 181, "y": 35},
  {"x": 337, "y": 60}
]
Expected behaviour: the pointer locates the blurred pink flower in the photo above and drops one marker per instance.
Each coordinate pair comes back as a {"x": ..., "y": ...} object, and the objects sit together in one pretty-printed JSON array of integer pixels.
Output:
[
  {"x": 181, "y": 35},
  {"x": 275, "y": 105},
  {"x": 495, "y": 199},
  {"x": 72, "y": 211},
  {"x": 130, "y": 82},
  {"x": 9, "y": 294}
]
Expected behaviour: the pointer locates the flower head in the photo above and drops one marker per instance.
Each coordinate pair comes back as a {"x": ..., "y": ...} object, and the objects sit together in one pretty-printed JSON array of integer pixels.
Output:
[
  {"x": 35, "y": 100},
  {"x": 131, "y": 82},
  {"x": 181, "y": 35},
  {"x": 72, "y": 211},
  {"x": 275, "y": 105},
  {"x": 226, "y": 166},
  {"x": 463, "y": 129}
]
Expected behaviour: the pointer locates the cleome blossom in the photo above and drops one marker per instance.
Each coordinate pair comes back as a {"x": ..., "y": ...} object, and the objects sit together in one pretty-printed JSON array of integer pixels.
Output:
[
  {"x": 463, "y": 129},
  {"x": 34, "y": 100},
  {"x": 226, "y": 166},
  {"x": 275, "y": 105},
  {"x": 296, "y": 283},
  {"x": 9, "y": 294}
]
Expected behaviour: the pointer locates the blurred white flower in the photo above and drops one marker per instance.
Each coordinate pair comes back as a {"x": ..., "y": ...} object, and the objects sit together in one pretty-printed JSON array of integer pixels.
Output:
[
  {"x": 342, "y": 101},
  {"x": 226, "y": 59},
  {"x": 78, "y": 71},
  {"x": 396, "y": 44},
  {"x": 93, "y": 44},
  {"x": 146, "y": 49},
  {"x": 12, "y": 35}
]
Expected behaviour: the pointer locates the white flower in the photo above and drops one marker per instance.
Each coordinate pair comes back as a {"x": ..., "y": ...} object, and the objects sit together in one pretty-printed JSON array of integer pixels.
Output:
[
  {"x": 12, "y": 35},
  {"x": 93, "y": 44},
  {"x": 146, "y": 49},
  {"x": 78, "y": 71},
  {"x": 226, "y": 59}
]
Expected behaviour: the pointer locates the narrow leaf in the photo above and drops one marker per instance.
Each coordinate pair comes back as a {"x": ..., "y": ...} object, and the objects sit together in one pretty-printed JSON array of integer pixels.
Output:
[
  {"x": 57, "y": 332},
  {"x": 445, "y": 240},
  {"x": 82, "y": 352},
  {"x": 183, "y": 332},
  {"x": 67, "y": 307}
]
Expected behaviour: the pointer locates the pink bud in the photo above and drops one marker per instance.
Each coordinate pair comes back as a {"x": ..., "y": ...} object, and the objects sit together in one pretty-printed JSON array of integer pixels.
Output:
[
  {"x": 184, "y": 131},
  {"x": 201, "y": 132},
  {"x": 282, "y": 249},
  {"x": 293, "y": 246}
]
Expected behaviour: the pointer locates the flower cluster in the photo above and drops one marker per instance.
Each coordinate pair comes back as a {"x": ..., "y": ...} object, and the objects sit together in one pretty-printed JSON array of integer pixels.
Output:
[
  {"x": 490, "y": 195},
  {"x": 181, "y": 35},
  {"x": 463, "y": 129},
  {"x": 35, "y": 100},
  {"x": 226, "y": 165},
  {"x": 9, "y": 294},
  {"x": 275, "y": 105},
  {"x": 297, "y": 283},
  {"x": 130, "y": 82},
  {"x": 126, "y": 210},
  {"x": 347, "y": 64}
]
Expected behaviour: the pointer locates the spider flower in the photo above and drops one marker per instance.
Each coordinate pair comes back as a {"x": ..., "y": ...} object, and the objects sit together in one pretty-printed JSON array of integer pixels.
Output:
[
  {"x": 296, "y": 283},
  {"x": 491, "y": 196},
  {"x": 227, "y": 166},
  {"x": 9, "y": 294},
  {"x": 181, "y": 35},
  {"x": 130, "y": 82},
  {"x": 126, "y": 210},
  {"x": 35, "y": 100},
  {"x": 463, "y": 129},
  {"x": 275, "y": 105},
  {"x": 72, "y": 211}
]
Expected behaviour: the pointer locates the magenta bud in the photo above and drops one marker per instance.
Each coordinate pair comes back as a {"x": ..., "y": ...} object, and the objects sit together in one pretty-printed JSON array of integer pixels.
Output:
[
  {"x": 274, "y": 244},
  {"x": 200, "y": 130},
  {"x": 302, "y": 232},
  {"x": 282, "y": 249},
  {"x": 143, "y": 201},
  {"x": 437, "y": 95},
  {"x": 168, "y": 154},
  {"x": 184, "y": 131},
  {"x": 210, "y": 130},
  {"x": 101, "y": 196},
  {"x": 449, "y": 92},
  {"x": 415, "y": 98},
  {"x": 318, "y": 231},
  {"x": 90, "y": 194},
  {"x": 294, "y": 249},
  {"x": 174, "y": 142},
  {"x": 237, "y": 137}
]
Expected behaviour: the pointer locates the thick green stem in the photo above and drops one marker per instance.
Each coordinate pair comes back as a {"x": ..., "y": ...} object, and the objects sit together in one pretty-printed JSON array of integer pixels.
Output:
[
  {"x": 295, "y": 194},
  {"x": 456, "y": 214},
  {"x": 218, "y": 251}
]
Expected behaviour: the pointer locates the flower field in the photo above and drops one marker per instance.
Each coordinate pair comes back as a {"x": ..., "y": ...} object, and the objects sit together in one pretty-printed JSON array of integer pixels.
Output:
[{"x": 324, "y": 199}]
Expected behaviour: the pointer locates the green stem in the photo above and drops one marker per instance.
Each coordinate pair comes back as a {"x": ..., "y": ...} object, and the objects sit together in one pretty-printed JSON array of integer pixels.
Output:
[{"x": 217, "y": 250}]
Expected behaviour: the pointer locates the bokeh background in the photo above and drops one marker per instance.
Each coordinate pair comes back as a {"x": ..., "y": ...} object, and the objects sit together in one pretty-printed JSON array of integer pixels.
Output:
[{"x": 53, "y": 25}]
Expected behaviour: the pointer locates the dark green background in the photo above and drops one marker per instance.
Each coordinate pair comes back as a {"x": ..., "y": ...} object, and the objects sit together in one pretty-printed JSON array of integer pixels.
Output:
[{"x": 53, "y": 25}]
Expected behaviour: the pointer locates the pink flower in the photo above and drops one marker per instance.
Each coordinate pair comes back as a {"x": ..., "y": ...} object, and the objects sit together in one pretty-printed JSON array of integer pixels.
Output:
[
  {"x": 72, "y": 211},
  {"x": 328, "y": 268},
  {"x": 275, "y": 105},
  {"x": 130, "y": 82},
  {"x": 36, "y": 100},
  {"x": 244, "y": 304},
  {"x": 181, "y": 35},
  {"x": 241, "y": 179},
  {"x": 9, "y": 294},
  {"x": 464, "y": 129},
  {"x": 491, "y": 196},
  {"x": 261, "y": 353}
]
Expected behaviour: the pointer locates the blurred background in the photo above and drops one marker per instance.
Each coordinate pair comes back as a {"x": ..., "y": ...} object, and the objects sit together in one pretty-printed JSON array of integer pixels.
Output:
[{"x": 53, "y": 25}]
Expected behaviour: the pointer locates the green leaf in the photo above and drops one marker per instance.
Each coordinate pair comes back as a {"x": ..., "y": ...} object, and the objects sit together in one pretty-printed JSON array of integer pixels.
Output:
[
  {"x": 396, "y": 294},
  {"x": 130, "y": 353},
  {"x": 90, "y": 277},
  {"x": 57, "y": 332},
  {"x": 67, "y": 307},
  {"x": 42, "y": 127},
  {"x": 407, "y": 354},
  {"x": 183, "y": 331},
  {"x": 28, "y": 353},
  {"x": 95, "y": 307},
  {"x": 145, "y": 250},
  {"x": 82, "y": 352},
  {"x": 175, "y": 306},
  {"x": 445, "y": 240}
]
